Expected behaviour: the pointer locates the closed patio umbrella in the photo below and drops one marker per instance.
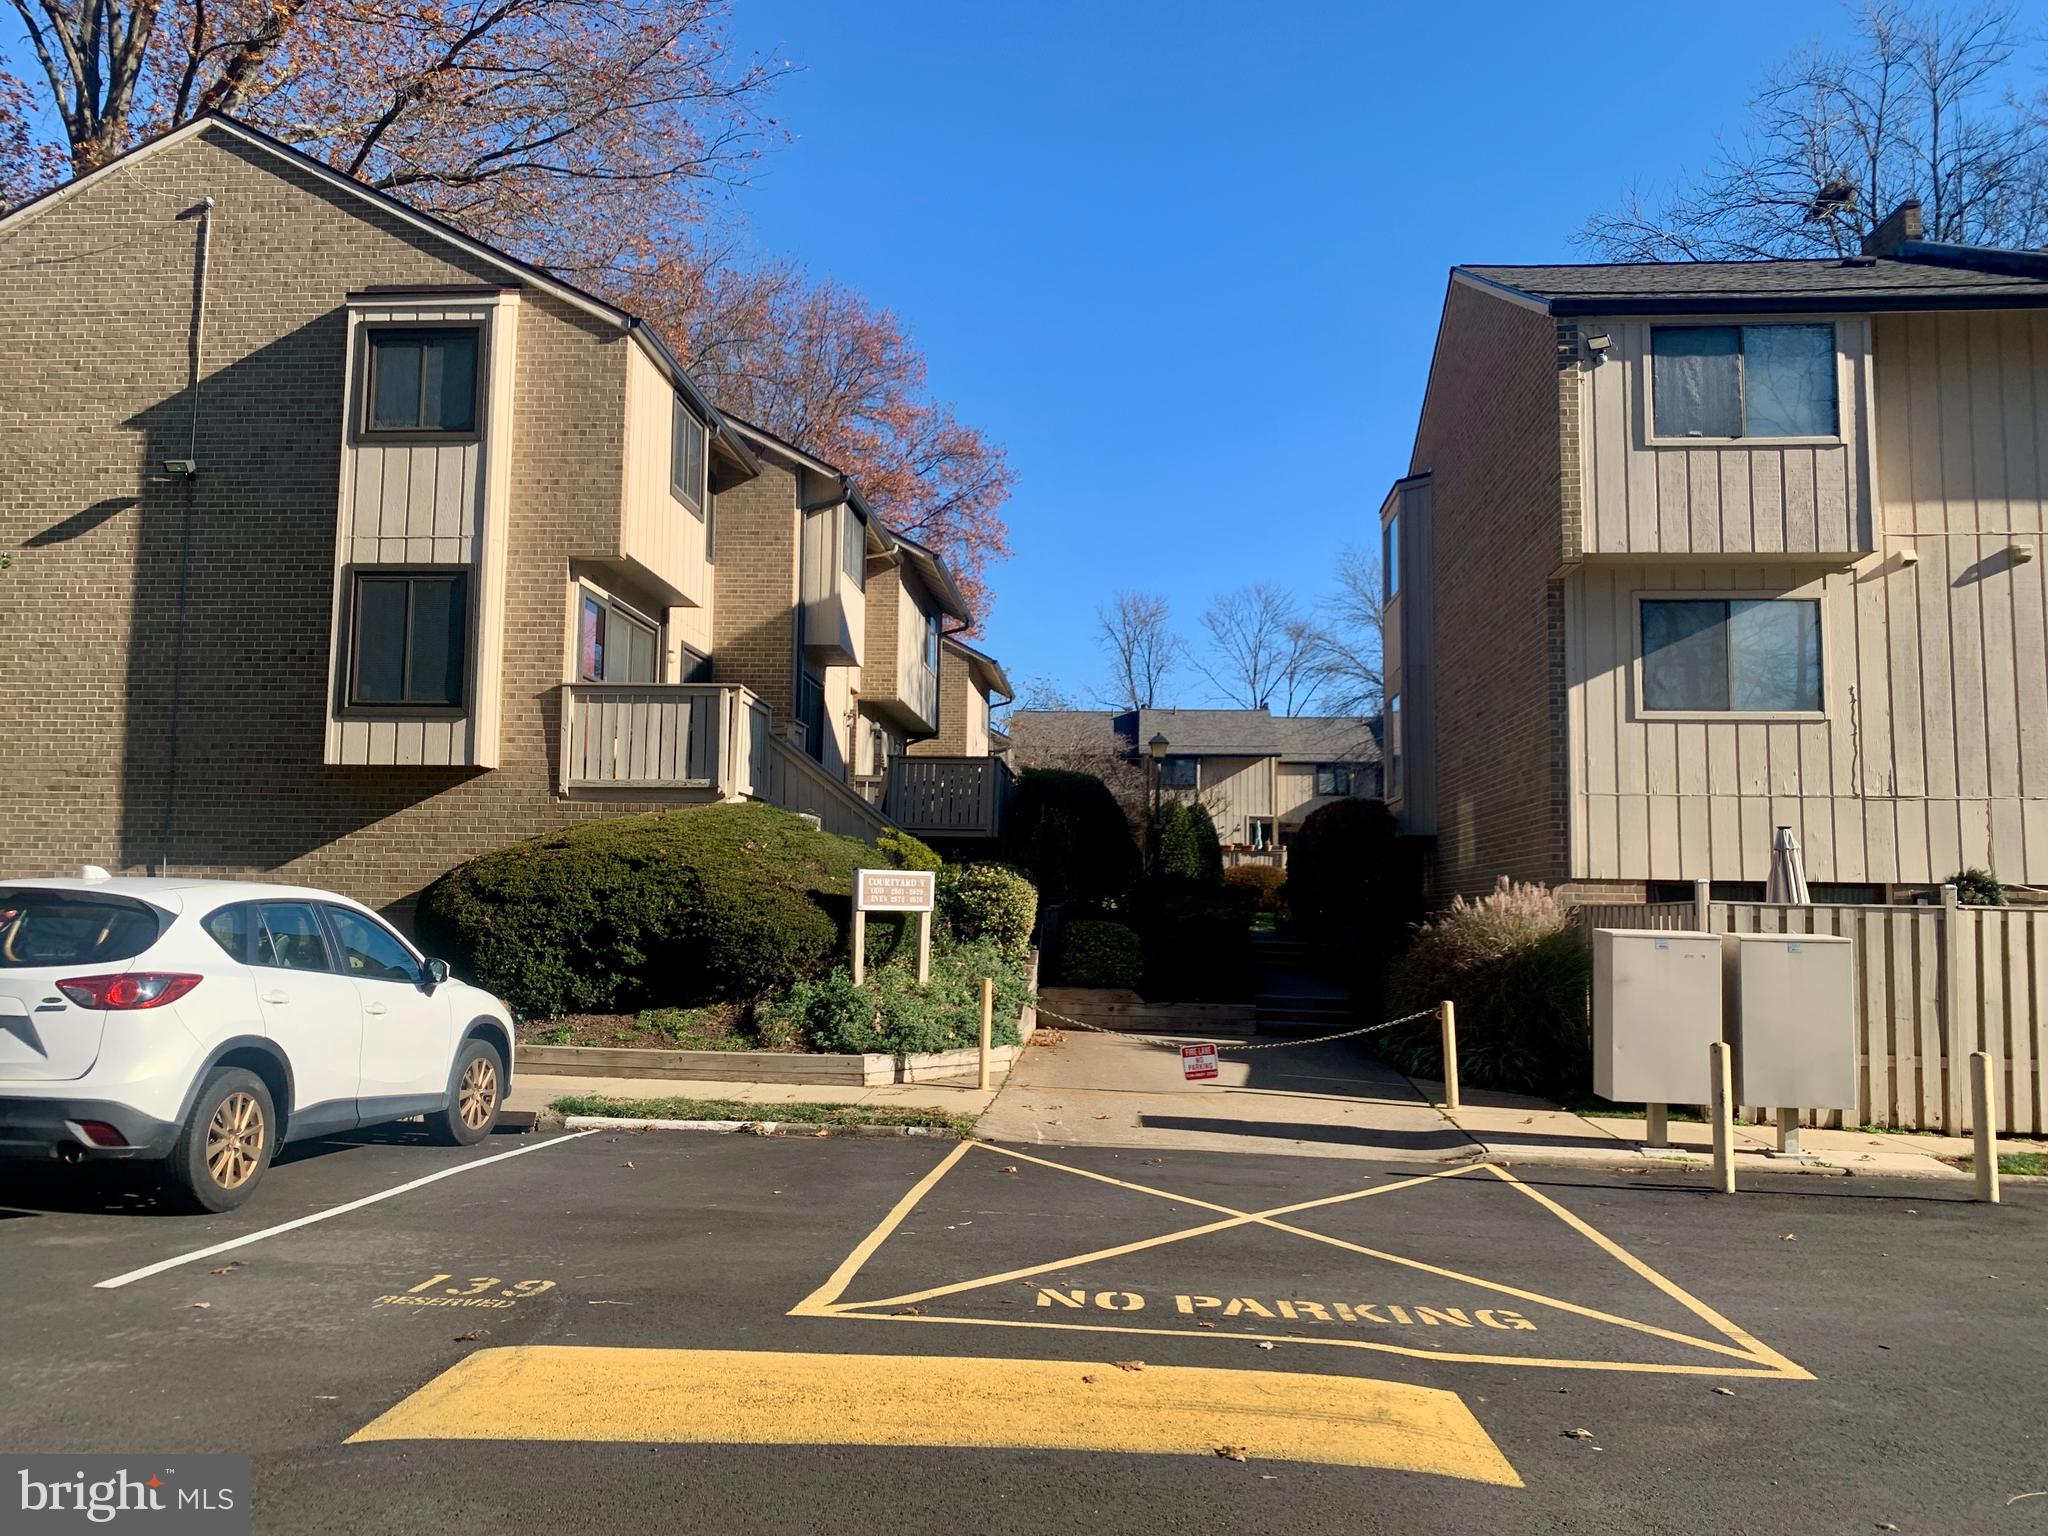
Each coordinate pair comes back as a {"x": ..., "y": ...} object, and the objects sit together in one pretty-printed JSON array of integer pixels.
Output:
[{"x": 1787, "y": 885}]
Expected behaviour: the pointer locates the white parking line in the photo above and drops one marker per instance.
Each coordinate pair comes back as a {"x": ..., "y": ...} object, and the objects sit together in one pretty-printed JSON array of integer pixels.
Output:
[{"x": 161, "y": 1265}]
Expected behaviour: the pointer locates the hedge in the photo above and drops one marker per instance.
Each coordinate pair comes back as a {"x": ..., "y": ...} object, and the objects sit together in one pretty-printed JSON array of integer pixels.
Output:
[
  {"x": 1186, "y": 843},
  {"x": 1197, "y": 941},
  {"x": 891, "y": 1012},
  {"x": 1262, "y": 881},
  {"x": 1069, "y": 832},
  {"x": 1353, "y": 887},
  {"x": 1094, "y": 953},
  {"x": 991, "y": 902},
  {"x": 671, "y": 909}
]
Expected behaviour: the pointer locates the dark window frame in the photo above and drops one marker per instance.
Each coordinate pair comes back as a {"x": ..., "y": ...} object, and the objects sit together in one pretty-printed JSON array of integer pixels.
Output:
[
  {"x": 330, "y": 910},
  {"x": 617, "y": 607},
  {"x": 1741, "y": 329},
  {"x": 1335, "y": 772},
  {"x": 853, "y": 536},
  {"x": 1177, "y": 761},
  {"x": 1729, "y": 711},
  {"x": 352, "y": 705},
  {"x": 327, "y": 942},
  {"x": 366, "y": 393},
  {"x": 689, "y": 483}
]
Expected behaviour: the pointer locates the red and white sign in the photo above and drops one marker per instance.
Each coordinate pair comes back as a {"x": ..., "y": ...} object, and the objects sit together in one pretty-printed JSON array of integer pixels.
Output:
[{"x": 1197, "y": 1061}]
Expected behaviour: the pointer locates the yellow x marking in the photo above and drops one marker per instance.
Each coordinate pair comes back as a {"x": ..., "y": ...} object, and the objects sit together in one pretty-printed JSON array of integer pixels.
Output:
[{"x": 1745, "y": 1354}]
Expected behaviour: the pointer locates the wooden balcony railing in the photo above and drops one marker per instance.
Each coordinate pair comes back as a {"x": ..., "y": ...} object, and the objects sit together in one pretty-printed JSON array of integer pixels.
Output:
[
  {"x": 707, "y": 737},
  {"x": 951, "y": 797}
]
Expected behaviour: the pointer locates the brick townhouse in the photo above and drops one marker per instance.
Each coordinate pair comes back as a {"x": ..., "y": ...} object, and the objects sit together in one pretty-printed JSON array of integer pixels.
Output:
[{"x": 346, "y": 547}]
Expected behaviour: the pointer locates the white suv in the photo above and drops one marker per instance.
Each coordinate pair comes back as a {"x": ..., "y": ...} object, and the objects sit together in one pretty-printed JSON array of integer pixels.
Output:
[{"x": 206, "y": 1023}]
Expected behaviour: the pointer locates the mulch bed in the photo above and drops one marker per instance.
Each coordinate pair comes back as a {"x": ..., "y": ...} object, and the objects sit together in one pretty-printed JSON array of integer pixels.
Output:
[{"x": 714, "y": 1028}]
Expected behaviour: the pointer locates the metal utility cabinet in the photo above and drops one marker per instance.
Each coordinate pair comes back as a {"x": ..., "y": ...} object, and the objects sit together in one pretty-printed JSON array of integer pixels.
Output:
[
  {"x": 1791, "y": 1000},
  {"x": 1656, "y": 1009}
]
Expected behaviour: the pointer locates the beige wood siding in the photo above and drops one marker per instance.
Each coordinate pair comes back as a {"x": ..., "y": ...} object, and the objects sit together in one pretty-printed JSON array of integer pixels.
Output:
[
  {"x": 1933, "y": 754},
  {"x": 411, "y": 504},
  {"x": 1645, "y": 497},
  {"x": 657, "y": 533},
  {"x": 1235, "y": 789}
]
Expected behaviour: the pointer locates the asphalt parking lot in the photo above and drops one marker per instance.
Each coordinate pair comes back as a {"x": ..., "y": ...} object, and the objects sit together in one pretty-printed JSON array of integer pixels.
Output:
[{"x": 668, "y": 1331}]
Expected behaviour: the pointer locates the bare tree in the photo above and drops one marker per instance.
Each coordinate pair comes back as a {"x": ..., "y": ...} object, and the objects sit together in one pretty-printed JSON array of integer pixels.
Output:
[
  {"x": 1136, "y": 633},
  {"x": 1350, "y": 649},
  {"x": 1916, "y": 106},
  {"x": 1262, "y": 649}
]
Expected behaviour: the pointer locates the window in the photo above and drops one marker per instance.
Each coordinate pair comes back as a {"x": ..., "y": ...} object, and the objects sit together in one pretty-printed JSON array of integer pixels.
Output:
[
  {"x": 1734, "y": 655},
  {"x": 420, "y": 380},
  {"x": 1394, "y": 781},
  {"x": 57, "y": 928},
  {"x": 1333, "y": 778},
  {"x": 411, "y": 641},
  {"x": 1390, "y": 556},
  {"x": 1259, "y": 832},
  {"x": 614, "y": 644},
  {"x": 693, "y": 666},
  {"x": 289, "y": 937},
  {"x": 810, "y": 713},
  {"x": 369, "y": 950},
  {"x": 1743, "y": 380},
  {"x": 234, "y": 930},
  {"x": 1178, "y": 772},
  {"x": 931, "y": 642},
  {"x": 854, "y": 538},
  {"x": 686, "y": 445}
]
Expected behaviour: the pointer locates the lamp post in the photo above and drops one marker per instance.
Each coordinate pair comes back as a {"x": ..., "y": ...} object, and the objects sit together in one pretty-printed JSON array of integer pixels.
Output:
[{"x": 1157, "y": 747}]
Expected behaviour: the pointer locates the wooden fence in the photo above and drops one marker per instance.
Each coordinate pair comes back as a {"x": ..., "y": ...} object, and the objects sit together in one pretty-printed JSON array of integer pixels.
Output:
[{"x": 1933, "y": 984}]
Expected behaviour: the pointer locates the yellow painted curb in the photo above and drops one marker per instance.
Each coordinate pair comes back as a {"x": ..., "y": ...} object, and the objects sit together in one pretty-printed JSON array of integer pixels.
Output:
[{"x": 742, "y": 1397}]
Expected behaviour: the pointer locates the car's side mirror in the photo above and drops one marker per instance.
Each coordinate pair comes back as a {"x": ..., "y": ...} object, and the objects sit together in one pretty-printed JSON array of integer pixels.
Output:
[{"x": 437, "y": 972}]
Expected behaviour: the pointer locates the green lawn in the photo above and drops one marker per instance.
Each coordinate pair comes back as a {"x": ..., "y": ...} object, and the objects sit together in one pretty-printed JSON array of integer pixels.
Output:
[
  {"x": 2023, "y": 1164},
  {"x": 679, "y": 1108}
]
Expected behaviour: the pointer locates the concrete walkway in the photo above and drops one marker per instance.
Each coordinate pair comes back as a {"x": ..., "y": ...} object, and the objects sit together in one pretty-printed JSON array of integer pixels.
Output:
[{"x": 1078, "y": 1089}]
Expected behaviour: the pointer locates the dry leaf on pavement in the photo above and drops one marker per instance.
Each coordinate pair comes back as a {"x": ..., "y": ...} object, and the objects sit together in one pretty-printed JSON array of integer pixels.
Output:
[
  {"x": 1128, "y": 1365},
  {"x": 1578, "y": 1434},
  {"x": 229, "y": 1268},
  {"x": 1265, "y": 1344},
  {"x": 1088, "y": 1381},
  {"x": 1232, "y": 1452},
  {"x": 625, "y": 1165},
  {"x": 202, "y": 1305},
  {"x": 472, "y": 1336},
  {"x": 1724, "y": 1391},
  {"x": 1009, "y": 1168}
]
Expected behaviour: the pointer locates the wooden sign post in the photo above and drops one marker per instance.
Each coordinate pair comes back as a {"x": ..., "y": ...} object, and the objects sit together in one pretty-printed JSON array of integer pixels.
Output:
[{"x": 893, "y": 890}]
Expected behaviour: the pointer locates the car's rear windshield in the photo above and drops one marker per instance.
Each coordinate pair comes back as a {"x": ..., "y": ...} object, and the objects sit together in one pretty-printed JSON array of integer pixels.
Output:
[{"x": 50, "y": 928}]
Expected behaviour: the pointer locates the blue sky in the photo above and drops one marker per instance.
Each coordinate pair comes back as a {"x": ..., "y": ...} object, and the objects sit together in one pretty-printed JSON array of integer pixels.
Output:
[{"x": 1186, "y": 260}]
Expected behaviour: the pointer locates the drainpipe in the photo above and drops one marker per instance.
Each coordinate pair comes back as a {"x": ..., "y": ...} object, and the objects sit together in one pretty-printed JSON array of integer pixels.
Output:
[{"x": 190, "y": 472}]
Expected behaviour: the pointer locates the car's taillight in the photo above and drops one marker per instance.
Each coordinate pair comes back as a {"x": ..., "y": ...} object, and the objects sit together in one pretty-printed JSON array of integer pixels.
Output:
[{"x": 136, "y": 989}]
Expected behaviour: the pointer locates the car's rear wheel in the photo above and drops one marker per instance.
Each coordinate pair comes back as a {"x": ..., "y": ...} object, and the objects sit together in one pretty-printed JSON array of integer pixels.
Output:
[
  {"x": 227, "y": 1142},
  {"x": 472, "y": 1112}
]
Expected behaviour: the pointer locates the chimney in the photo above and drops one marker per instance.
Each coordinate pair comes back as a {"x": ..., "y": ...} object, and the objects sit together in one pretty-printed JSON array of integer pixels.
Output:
[{"x": 1903, "y": 223}]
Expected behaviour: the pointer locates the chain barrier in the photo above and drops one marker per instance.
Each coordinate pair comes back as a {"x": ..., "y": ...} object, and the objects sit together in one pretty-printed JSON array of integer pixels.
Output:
[{"x": 1268, "y": 1045}]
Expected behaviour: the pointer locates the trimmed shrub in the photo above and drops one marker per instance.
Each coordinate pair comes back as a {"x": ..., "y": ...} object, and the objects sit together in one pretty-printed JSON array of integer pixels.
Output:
[
  {"x": 1262, "y": 881},
  {"x": 1197, "y": 940},
  {"x": 672, "y": 909},
  {"x": 1100, "y": 954},
  {"x": 1518, "y": 970},
  {"x": 1185, "y": 843},
  {"x": 891, "y": 1012},
  {"x": 989, "y": 902},
  {"x": 1977, "y": 888},
  {"x": 906, "y": 852},
  {"x": 1067, "y": 830},
  {"x": 1352, "y": 888}
]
